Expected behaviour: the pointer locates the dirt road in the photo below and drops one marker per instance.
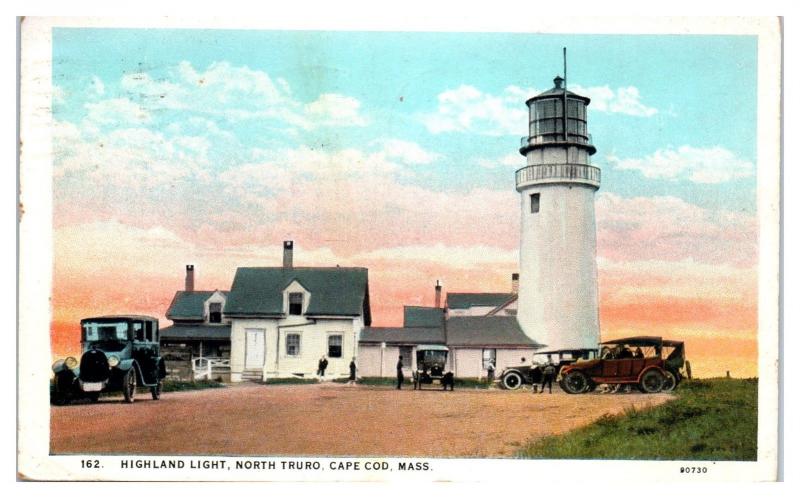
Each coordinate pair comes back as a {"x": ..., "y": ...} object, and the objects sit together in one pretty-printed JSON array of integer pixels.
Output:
[{"x": 328, "y": 419}]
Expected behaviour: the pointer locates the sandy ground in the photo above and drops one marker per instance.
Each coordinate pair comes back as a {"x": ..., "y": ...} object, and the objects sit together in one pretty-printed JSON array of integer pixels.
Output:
[{"x": 328, "y": 419}]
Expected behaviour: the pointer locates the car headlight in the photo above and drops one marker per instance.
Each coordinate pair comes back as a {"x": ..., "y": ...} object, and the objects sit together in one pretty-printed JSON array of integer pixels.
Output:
[
  {"x": 70, "y": 362},
  {"x": 58, "y": 366},
  {"x": 113, "y": 361}
]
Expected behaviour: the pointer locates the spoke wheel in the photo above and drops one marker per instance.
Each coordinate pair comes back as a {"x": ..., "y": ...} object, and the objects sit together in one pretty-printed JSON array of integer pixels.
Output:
[
  {"x": 652, "y": 381},
  {"x": 129, "y": 385},
  {"x": 512, "y": 380},
  {"x": 670, "y": 381},
  {"x": 575, "y": 382}
]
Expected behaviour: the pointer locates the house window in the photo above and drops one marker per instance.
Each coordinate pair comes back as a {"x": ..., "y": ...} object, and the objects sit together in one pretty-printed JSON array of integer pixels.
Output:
[
  {"x": 295, "y": 303},
  {"x": 534, "y": 203},
  {"x": 489, "y": 356},
  {"x": 215, "y": 312},
  {"x": 292, "y": 344},
  {"x": 335, "y": 346}
]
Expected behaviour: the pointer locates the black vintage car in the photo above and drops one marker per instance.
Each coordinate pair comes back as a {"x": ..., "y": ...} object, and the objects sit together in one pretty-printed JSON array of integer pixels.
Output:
[
  {"x": 119, "y": 353},
  {"x": 431, "y": 367},
  {"x": 514, "y": 377}
]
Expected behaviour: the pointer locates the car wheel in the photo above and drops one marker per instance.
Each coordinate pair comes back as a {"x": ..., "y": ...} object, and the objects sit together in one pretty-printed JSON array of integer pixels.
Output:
[
  {"x": 575, "y": 382},
  {"x": 652, "y": 382},
  {"x": 670, "y": 381},
  {"x": 155, "y": 391},
  {"x": 512, "y": 380},
  {"x": 129, "y": 385}
]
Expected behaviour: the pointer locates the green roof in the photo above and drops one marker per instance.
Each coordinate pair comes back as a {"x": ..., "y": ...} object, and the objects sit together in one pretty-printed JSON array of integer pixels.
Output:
[
  {"x": 464, "y": 300},
  {"x": 420, "y": 316},
  {"x": 196, "y": 332},
  {"x": 402, "y": 335},
  {"x": 488, "y": 331},
  {"x": 335, "y": 291},
  {"x": 189, "y": 305}
]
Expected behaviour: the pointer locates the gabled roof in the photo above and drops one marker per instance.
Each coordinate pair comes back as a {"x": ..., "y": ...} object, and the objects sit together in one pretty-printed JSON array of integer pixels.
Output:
[
  {"x": 421, "y": 316},
  {"x": 402, "y": 335},
  {"x": 487, "y": 331},
  {"x": 465, "y": 300},
  {"x": 335, "y": 291},
  {"x": 188, "y": 305},
  {"x": 198, "y": 332}
]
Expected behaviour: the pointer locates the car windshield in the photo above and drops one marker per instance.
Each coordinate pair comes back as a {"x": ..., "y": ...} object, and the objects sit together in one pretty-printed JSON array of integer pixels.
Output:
[{"x": 105, "y": 331}]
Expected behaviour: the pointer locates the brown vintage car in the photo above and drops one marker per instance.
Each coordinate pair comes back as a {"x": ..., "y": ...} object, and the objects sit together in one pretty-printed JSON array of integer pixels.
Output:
[{"x": 650, "y": 363}]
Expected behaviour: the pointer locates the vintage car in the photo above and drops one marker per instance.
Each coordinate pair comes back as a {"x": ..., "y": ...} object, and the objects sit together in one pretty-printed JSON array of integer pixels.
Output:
[
  {"x": 514, "y": 377},
  {"x": 119, "y": 353},
  {"x": 431, "y": 367},
  {"x": 650, "y": 363}
]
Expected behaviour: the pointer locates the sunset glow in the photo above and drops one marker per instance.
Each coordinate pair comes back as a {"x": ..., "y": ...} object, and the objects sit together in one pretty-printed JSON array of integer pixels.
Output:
[{"x": 397, "y": 152}]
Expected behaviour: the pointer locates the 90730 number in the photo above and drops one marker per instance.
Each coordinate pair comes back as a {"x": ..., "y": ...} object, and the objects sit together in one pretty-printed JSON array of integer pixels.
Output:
[{"x": 694, "y": 470}]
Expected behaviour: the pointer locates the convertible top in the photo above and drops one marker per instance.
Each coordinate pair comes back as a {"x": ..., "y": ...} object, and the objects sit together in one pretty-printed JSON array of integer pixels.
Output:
[
  {"x": 573, "y": 350},
  {"x": 645, "y": 340}
]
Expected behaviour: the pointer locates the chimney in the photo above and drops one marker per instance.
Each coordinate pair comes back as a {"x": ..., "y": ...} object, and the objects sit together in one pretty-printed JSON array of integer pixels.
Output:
[
  {"x": 288, "y": 250},
  {"x": 515, "y": 283},
  {"x": 438, "y": 303},
  {"x": 189, "y": 278}
]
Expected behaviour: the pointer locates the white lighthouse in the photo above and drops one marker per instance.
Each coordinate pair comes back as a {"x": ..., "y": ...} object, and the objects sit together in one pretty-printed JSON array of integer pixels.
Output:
[{"x": 557, "y": 303}]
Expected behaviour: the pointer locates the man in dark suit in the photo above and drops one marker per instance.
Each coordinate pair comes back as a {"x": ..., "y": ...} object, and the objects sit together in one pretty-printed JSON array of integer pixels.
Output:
[{"x": 400, "y": 372}]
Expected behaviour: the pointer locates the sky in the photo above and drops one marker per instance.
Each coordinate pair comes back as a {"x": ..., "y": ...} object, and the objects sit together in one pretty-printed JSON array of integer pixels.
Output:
[{"x": 397, "y": 152}]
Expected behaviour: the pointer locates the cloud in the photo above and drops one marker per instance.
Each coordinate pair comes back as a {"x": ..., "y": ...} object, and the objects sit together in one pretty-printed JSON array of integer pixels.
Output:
[
  {"x": 623, "y": 100},
  {"x": 667, "y": 228},
  {"x": 407, "y": 152},
  {"x": 468, "y": 110},
  {"x": 97, "y": 87},
  {"x": 699, "y": 165},
  {"x": 239, "y": 93},
  {"x": 510, "y": 160},
  {"x": 118, "y": 112},
  {"x": 331, "y": 109}
]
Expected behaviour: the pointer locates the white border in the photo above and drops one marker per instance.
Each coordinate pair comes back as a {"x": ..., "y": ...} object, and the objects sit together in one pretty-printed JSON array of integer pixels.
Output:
[{"x": 36, "y": 236}]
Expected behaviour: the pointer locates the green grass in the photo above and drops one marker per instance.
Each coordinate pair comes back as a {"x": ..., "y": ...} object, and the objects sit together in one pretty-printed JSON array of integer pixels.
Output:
[
  {"x": 183, "y": 385},
  {"x": 712, "y": 419},
  {"x": 292, "y": 380},
  {"x": 468, "y": 383}
]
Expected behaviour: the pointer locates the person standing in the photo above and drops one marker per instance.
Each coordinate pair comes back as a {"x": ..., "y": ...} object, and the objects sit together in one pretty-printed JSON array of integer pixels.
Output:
[
  {"x": 548, "y": 374},
  {"x": 322, "y": 366},
  {"x": 400, "y": 377},
  {"x": 319, "y": 366},
  {"x": 352, "y": 372},
  {"x": 490, "y": 373}
]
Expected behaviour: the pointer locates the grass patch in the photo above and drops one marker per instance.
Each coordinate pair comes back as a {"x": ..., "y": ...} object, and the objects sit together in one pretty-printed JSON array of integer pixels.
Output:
[
  {"x": 711, "y": 419},
  {"x": 292, "y": 380},
  {"x": 185, "y": 385},
  {"x": 392, "y": 381}
]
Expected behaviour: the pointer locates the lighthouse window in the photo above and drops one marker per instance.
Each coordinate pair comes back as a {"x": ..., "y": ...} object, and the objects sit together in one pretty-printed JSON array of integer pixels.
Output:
[{"x": 534, "y": 203}]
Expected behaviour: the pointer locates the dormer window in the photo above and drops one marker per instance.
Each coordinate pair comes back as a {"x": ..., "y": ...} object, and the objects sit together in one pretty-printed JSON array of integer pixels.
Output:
[
  {"x": 215, "y": 312},
  {"x": 295, "y": 303}
]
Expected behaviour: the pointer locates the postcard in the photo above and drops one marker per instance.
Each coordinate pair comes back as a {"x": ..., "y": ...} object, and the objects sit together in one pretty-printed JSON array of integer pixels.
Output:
[{"x": 254, "y": 251}]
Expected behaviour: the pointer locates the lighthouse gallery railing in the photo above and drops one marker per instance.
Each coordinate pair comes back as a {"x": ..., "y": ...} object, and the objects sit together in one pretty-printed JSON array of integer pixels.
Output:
[{"x": 574, "y": 172}]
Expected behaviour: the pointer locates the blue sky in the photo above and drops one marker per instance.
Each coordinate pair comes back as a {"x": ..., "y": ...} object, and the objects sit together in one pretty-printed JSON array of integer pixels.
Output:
[
  {"x": 397, "y": 152},
  {"x": 692, "y": 91}
]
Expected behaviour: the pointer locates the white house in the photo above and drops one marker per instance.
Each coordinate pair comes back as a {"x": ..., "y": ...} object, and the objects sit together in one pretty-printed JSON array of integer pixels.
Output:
[{"x": 284, "y": 319}]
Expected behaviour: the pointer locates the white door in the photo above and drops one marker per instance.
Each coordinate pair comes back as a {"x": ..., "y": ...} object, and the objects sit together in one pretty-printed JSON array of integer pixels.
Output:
[{"x": 254, "y": 348}]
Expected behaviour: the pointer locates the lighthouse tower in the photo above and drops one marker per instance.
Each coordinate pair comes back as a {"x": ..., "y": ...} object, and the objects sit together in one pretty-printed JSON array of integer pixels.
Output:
[{"x": 557, "y": 303}]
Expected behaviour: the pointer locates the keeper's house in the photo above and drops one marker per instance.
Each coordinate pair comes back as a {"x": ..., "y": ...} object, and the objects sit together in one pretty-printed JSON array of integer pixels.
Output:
[
  {"x": 284, "y": 319},
  {"x": 477, "y": 328}
]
